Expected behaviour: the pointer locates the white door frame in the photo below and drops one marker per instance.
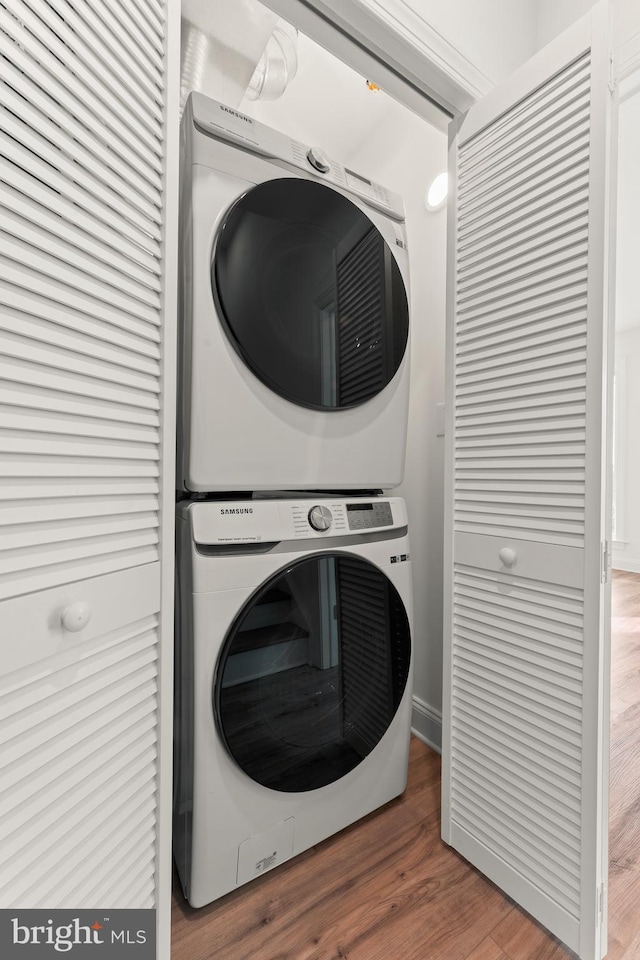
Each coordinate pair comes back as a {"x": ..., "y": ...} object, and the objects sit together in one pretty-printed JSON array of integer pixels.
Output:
[{"x": 403, "y": 53}]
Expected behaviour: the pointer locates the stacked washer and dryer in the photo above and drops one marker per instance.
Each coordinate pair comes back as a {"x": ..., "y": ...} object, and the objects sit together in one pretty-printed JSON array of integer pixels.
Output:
[{"x": 293, "y": 628}]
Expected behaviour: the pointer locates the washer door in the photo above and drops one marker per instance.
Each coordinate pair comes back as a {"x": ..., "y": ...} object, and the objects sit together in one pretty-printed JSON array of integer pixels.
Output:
[
  {"x": 312, "y": 672},
  {"x": 310, "y": 294}
]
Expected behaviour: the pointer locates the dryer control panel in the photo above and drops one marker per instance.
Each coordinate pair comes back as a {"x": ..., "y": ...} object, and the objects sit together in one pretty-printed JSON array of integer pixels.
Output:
[
  {"x": 226, "y": 123},
  {"x": 271, "y": 521}
]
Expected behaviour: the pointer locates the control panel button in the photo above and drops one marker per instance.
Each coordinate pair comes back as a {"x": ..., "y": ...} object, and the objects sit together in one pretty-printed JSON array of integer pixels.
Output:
[
  {"x": 318, "y": 160},
  {"x": 320, "y": 518}
]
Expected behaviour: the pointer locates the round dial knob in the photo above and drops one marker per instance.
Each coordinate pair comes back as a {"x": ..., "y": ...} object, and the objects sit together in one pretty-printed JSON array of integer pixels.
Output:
[
  {"x": 320, "y": 518},
  {"x": 318, "y": 160}
]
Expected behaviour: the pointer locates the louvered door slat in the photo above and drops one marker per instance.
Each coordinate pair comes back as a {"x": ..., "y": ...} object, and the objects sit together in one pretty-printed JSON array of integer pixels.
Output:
[
  {"x": 87, "y": 299},
  {"x": 114, "y": 247},
  {"x": 57, "y": 102},
  {"x": 81, "y": 60},
  {"x": 122, "y": 329},
  {"x": 36, "y": 352},
  {"x": 113, "y": 183},
  {"x": 112, "y": 153},
  {"x": 138, "y": 26},
  {"x": 44, "y": 48},
  {"x": 519, "y": 196},
  {"x": 563, "y": 151},
  {"x": 523, "y": 753},
  {"x": 89, "y": 337},
  {"x": 500, "y": 259},
  {"x": 23, "y": 398},
  {"x": 43, "y": 376},
  {"x": 141, "y": 60},
  {"x": 117, "y": 288},
  {"x": 86, "y": 35},
  {"x": 154, "y": 12},
  {"x": 524, "y": 118},
  {"x": 507, "y": 336}
]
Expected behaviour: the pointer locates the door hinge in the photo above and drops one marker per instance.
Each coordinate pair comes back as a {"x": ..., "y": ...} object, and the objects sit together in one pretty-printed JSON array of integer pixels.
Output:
[
  {"x": 613, "y": 79},
  {"x": 606, "y": 561}
]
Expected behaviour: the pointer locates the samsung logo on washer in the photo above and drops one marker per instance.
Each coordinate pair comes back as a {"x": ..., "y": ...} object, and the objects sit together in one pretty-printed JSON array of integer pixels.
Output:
[{"x": 236, "y": 510}]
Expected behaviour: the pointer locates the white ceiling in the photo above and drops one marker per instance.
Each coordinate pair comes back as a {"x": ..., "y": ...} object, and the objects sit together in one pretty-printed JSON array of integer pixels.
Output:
[{"x": 628, "y": 239}]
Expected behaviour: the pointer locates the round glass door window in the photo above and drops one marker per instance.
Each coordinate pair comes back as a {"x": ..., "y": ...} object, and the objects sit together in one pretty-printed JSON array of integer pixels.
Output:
[
  {"x": 310, "y": 294},
  {"x": 312, "y": 672}
]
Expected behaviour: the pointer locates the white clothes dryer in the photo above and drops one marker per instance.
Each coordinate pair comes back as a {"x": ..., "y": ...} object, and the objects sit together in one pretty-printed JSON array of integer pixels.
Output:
[
  {"x": 293, "y": 679},
  {"x": 294, "y": 314}
]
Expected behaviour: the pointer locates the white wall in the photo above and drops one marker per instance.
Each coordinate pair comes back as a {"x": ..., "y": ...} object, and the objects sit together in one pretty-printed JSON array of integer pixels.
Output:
[
  {"x": 496, "y": 36},
  {"x": 628, "y": 228},
  {"x": 326, "y": 104},
  {"x": 554, "y": 16},
  {"x": 626, "y": 556}
]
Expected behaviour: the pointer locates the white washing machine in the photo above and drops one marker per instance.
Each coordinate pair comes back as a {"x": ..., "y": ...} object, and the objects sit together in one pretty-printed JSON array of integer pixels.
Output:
[
  {"x": 293, "y": 679},
  {"x": 294, "y": 309}
]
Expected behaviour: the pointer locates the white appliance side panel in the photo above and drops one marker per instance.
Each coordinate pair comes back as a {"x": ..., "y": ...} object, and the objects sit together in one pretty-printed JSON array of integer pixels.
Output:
[{"x": 526, "y": 645}]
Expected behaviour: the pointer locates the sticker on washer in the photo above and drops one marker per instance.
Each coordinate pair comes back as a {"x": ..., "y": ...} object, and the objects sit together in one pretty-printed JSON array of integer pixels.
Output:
[
  {"x": 400, "y": 558},
  {"x": 267, "y": 862}
]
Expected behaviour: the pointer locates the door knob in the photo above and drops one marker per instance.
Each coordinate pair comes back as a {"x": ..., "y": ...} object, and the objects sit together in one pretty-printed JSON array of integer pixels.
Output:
[
  {"x": 507, "y": 556},
  {"x": 76, "y": 616}
]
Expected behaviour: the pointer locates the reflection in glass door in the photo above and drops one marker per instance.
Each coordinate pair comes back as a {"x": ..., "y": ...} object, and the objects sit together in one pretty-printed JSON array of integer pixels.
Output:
[{"x": 312, "y": 672}]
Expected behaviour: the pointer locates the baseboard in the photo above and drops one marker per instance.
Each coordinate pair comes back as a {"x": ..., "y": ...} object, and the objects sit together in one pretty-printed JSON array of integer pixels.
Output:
[
  {"x": 628, "y": 564},
  {"x": 426, "y": 724}
]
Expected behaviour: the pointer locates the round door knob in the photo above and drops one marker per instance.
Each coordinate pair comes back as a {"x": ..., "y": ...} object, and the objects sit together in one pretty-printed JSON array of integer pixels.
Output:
[
  {"x": 318, "y": 160},
  {"x": 76, "y": 617},
  {"x": 320, "y": 518},
  {"x": 507, "y": 556}
]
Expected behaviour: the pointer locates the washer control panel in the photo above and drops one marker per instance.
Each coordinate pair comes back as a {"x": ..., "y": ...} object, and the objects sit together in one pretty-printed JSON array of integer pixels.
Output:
[
  {"x": 318, "y": 160},
  {"x": 369, "y": 516},
  {"x": 320, "y": 517},
  {"x": 275, "y": 520}
]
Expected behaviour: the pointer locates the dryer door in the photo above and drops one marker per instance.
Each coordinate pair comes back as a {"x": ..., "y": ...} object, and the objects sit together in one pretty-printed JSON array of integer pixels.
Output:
[
  {"x": 312, "y": 672},
  {"x": 310, "y": 294}
]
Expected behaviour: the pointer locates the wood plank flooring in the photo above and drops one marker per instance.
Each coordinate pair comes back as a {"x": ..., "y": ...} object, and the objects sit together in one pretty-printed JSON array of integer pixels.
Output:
[{"x": 387, "y": 888}]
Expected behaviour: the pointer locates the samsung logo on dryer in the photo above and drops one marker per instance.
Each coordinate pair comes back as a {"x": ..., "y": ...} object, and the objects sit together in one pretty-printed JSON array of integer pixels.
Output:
[
  {"x": 236, "y": 510},
  {"x": 234, "y": 113}
]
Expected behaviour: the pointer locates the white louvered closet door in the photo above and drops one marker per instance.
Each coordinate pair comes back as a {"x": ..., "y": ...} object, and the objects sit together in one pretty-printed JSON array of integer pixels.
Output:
[
  {"x": 87, "y": 316},
  {"x": 526, "y": 641}
]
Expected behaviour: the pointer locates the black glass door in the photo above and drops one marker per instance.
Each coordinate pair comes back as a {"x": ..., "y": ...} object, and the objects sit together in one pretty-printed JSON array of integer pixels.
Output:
[
  {"x": 312, "y": 672},
  {"x": 310, "y": 294}
]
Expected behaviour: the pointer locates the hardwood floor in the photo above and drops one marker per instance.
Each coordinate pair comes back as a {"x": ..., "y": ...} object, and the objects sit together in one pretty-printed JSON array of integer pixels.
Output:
[{"x": 387, "y": 888}]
